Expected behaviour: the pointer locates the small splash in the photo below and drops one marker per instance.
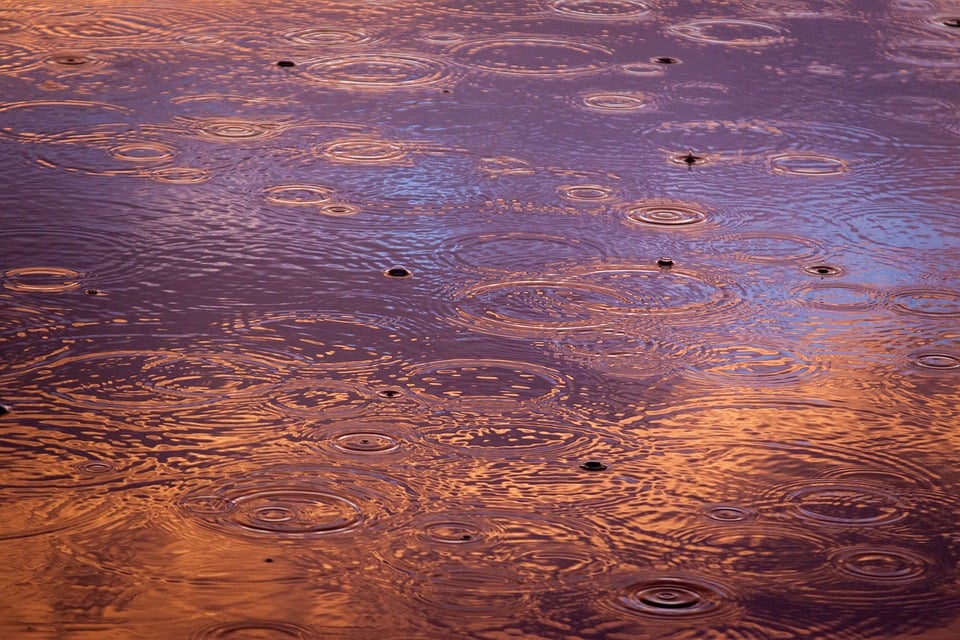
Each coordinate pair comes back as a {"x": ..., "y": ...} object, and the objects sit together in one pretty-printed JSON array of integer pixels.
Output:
[
  {"x": 587, "y": 193},
  {"x": 298, "y": 194},
  {"x": 142, "y": 152},
  {"x": 728, "y": 513},
  {"x": 615, "y": 102},
  {"x": 452, "y": 532},
  {"x": 822, "y": 270},
  {"x": 73, "y": 60}
]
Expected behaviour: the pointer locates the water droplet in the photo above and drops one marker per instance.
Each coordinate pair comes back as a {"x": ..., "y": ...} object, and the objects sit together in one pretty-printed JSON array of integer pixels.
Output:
[
  {"x": 822, "y": 270},
  {"x": 593, "y": 465},
  {"x": 398, "y": 272},
  {"x": 286, "y": 63},
  {"x": 665, "y": 60}
]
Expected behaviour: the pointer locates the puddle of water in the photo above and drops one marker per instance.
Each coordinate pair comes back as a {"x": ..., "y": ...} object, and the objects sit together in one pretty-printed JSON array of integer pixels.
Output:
[{"x": 505, "y": 319}]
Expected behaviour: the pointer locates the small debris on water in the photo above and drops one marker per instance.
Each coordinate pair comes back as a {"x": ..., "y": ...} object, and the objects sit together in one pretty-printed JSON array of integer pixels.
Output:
[
  {"x": 665, "y": 262},
  {"x": 286, "y": 63},
  {"x": 398, "y": 272},
  {"x": 593, "y": 465},
  {"x": 5, "y": 409}
]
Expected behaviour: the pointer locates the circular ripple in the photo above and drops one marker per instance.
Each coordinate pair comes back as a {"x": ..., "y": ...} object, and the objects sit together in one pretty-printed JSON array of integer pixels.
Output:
[
  {"x": 324, "y": 342},
  {"x": 600, "y": 9},
  {"x": 728, "y": 513},
  {"x": 298, "y": 194},
  {"x": 456, "y": 589},
  {"x": 674, "y": 596},
  {"x": 837, "y": 296},
  {"x": 935, "y": 361},
  {"x": 513, "y": 433},
  {"x": 536, "y": 307},
  {"x": 180, "y": 175},
  {"x": 882, "y": 564},
  {"x": 665, "y": 214},
  {"x": 366, "y": 442},
  {"x": 378, "y": 71},
  {"x": 657, "y": 291},
  {"x": 14, "y": 57},
  {"x": 55, "y": 120},
  {"x": 807, "y": 164},
  {"x": 767, "y": 247},
  {"x": 113, "y": 26},
  {"x": 154, "y": 379},
  {"x": 234, "y": 129},
  {"x": 485, "y": 380},
  {"x": 646, "y": 69},
  {"x": 41, "y": 279},
  {"x": 321, "y": 397},
  {"x": 451, "y": 531},
  {"x": 253, "y": 629},
  {"x": 363, "y": 151},
  {"x": 939, "y": 303},
  {"x": 844, "y": 504},
  {"x": 754, "y": 365},
  {"x": 142, "y": 152},
  {"x": 23, "y": 515},
  {"x": 587, "y": 193},
  {"x": 615, "y": 102},
  {"x": 298, "y": 502},
  {"x": 327, "y": 37},
  {"x": 516, "y": 252},
  {"x": 727, "y": 137},
  {"x": 746, "y": 33},
  {"x": 531, "y": 55}
]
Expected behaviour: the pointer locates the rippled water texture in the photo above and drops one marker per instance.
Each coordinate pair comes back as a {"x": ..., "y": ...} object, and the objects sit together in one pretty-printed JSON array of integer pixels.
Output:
[{"x": 480, "y": 319}]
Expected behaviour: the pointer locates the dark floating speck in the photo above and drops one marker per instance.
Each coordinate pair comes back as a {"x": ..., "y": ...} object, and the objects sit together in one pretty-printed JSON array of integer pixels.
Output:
[
  {"x": 5, "y": 409},
  {"x": 286, "y": 63},
  {"x": 665, "y": 60},
  {"x": 268, "y": 560},
  {"x": 398, "y": 272},
  {"x": 93, "y": 292},
  {"x": 389, "y": 393},
  {"x": 952, "y": 22},
  {"x": 665, "y": 262},
  {"x": 593, "y": 465}
]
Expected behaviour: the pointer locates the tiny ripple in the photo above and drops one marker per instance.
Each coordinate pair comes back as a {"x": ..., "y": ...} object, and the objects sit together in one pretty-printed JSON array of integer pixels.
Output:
[
  {"x": 41, "y": 279},
  {"x": 73, "y": 60},
  {"x": 730, "y": 32},
  {"x": 379, "y": 71},
  {"x": 533, "y": 55},
  {"x": 230, "y": 129},
  {"x": 651, "y": 69},
  {"x": 298, "y": 194},
  {"x": 675, "y": 596},
  {"x": 366, "y": 442},
  {"x": 299, "y": 502},
  {"x": 516, "y": 253},
  {"x": 728, "y": 513},
  {"x": 807, "y": 164},
  {"x": 725, "y": 137},
  {"x": 129, "y": 25},
  {"x": 253, "y": 628},
  {"x": 882, "y": 564},
  {"x": 614, "y": 10},
  {"x": 840, "y": 297},
  {"x": 934, "y": 303},
  {"x": 310, "y": 398},
  {"x": 823, "y": 270},
  {"x": 485, "y": 381}
]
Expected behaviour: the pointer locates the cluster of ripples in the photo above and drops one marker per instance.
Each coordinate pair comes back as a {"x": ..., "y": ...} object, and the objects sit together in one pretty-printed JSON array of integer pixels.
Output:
[{"x": 592, "y": 319}]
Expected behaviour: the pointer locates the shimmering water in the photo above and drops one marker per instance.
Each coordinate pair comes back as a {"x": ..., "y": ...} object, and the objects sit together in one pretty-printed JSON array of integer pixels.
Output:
[{"x": 513, "y": 319}]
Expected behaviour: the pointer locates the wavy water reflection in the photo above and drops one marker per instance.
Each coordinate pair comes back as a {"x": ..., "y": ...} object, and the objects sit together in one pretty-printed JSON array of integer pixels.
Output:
[{"x": 530, "y": 319}]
